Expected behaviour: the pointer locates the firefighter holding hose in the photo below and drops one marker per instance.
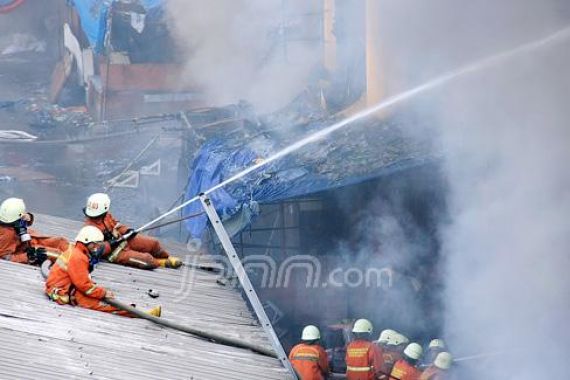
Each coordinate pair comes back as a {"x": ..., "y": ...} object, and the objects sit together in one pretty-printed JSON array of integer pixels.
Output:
[
  {"x": 69, "y": 281},
  {"x": 122, "y": 244}
]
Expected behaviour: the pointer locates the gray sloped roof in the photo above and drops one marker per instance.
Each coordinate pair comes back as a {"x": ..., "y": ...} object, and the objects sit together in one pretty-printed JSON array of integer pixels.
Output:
[{"x": 42, "y": 340}]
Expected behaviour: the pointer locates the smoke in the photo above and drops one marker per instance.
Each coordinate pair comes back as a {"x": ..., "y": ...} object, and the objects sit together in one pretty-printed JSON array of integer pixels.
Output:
[
  {"x": 506, "y": 140},
  {"x": 238, "y": 49}
]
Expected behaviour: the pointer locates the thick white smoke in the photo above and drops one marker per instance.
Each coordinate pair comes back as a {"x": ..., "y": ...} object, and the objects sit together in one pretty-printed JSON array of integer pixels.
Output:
[
  {"x": 506, "y": 137},
  {"x": 244, "y": 49}
]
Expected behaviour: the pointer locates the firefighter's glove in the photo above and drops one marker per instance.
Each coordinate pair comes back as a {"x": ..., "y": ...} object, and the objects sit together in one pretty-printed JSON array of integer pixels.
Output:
[
  {"x": 114, "y": 243},
  {"x": 130, "y": 234},
  {"x": 36, "y": 256}
]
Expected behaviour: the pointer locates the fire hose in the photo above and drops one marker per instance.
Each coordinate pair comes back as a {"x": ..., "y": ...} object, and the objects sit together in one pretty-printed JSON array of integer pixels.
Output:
[
  {"x": 216, "y": 338},
  {"x": 9, "y": 6}
]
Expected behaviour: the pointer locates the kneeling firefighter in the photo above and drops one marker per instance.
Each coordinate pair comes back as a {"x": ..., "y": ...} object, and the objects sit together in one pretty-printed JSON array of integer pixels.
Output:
[
  {"x": 21, "y": 244},
  {"x": 69, "y": 281},
  {"x": 123, "y": 245}
]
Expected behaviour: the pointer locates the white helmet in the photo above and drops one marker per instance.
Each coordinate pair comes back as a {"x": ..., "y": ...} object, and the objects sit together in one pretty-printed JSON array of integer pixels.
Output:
[
  {"x": 437, "y": 343},
  {"x": 97, "y": 205},
  {"x": 387, "y": 337},
  {"x": 311, "y": 333},
  {"x": 90, "y": 234},
  {"x": 362, "y": 326},
  {"x": 400, "y": 339},
  {"x": 11, "y": 210},
  {"x": 443, "y": 360},
  {"x": 414, "y": 351}
]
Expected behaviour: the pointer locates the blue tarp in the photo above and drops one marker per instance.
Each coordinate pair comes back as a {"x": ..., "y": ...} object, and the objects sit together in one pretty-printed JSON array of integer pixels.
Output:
[
  {"x": 287, "y": 178},
  {"x": 93, "y": 15}
]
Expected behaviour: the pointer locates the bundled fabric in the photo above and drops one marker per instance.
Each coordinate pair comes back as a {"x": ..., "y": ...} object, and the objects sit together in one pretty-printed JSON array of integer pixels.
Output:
[{"x": 93, "y": 16}]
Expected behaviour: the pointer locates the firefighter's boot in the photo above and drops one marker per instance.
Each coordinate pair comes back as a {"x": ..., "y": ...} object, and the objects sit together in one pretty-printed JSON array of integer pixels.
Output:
[
  {"x": 155, "y": 311},
  {"x": 171, "y": 262}
]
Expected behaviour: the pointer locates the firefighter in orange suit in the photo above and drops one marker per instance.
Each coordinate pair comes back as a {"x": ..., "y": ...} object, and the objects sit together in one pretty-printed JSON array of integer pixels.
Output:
[
  {"x": 123, "y": 245},
  {"x": 434, "y": 348},
  {"x": 308, "y": 358},
  {"x": 440, "y": 367},
  {"x": 363, "y": 357},
  {"x": 20, "y": 244},
  {"x": 389, "y": 342},
  {"x": 406, "y": 368},
  {"x": 69, "y": 281}
]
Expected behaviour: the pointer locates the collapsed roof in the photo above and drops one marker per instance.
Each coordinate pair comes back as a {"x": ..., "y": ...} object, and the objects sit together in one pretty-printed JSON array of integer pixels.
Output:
[{"x": 358, "y": 153}]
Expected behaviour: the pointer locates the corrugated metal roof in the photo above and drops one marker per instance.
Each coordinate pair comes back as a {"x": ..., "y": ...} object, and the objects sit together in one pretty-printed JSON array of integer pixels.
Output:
[{"x": 42, "y": 340}]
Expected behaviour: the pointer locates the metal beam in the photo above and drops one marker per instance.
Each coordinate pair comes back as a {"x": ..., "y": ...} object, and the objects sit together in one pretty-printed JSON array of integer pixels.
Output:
[{"x": 246, "y": 283}]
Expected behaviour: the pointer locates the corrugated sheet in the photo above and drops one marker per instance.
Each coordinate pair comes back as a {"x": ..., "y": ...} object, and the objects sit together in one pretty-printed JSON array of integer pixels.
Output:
[{"x": 41, "y": 340}]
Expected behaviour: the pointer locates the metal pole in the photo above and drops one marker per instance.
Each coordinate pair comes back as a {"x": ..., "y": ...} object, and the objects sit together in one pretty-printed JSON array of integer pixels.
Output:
[{"x": 245, "y": 282}]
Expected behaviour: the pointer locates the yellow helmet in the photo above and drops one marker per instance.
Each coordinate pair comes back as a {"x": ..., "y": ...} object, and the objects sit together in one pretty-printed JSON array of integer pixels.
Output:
[
  {"x": 11, "y": 210},
  {"x": 311, "y": 333},
  {"x": 362, "y": 326},
  {"x": 97, "y": 205}
]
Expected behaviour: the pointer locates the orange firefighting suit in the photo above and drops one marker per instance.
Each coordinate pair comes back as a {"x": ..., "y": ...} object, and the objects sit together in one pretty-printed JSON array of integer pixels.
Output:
[
  {"x": 310, "y": 361},
  {"x": 404, "y": 371},
  {"x": 433, "y": 373},
  {"x": 69, "y": 282},
  {"x": 389, "y": 358},
  {"x": 12, "y": 248},
  {"x": 363, "y": 360},
  {"x": 140, "y": 251}
]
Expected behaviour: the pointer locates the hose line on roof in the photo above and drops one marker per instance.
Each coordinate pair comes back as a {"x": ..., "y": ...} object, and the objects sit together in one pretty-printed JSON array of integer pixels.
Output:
[{"x": 217, "y": 338}]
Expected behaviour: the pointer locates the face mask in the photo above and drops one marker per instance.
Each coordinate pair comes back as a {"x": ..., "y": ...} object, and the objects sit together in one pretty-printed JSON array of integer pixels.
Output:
[
  {"x": 95, "y": 256},
  {"x": 97, "y": 251},
  {"x": 21, "y": 227}
]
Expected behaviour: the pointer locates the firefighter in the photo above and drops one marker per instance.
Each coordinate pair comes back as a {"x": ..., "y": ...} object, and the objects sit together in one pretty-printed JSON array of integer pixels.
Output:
[
  {"x": 438, "y": 370},
  {"x": 434, "y": 348},
  {"x": 363, "y": 357},
  {"x": 308, "y": 357},
  {"x": 69, "y": 281},
  {"x": 20, "y": 244},
  {"x": 123, "y": 245},
  {"x": 406, "y": 368},
  {"x": 389, "y": 341},
  {"x": 402, "y": 342}
]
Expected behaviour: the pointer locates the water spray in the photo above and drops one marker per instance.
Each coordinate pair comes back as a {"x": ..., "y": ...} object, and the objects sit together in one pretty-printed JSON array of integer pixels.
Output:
[{"x": 480, "y": 65}]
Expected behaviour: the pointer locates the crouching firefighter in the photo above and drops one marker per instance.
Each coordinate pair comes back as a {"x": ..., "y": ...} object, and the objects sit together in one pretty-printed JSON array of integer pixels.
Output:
[
  {"x": 69, "y": 281},
  {"x": 123, "y": 245},
  {"x": 21, "y": 244}
]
